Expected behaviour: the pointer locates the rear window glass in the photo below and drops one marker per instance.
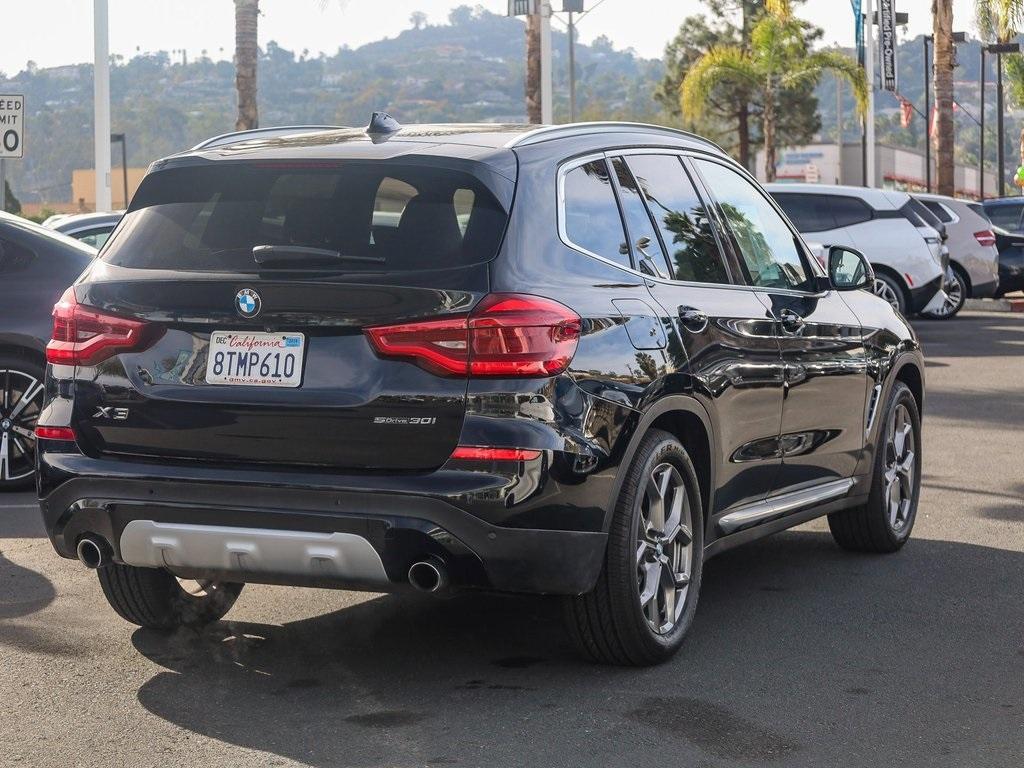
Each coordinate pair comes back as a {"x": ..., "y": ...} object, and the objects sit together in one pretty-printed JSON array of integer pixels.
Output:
[
  {"x": 979, "y": 209},
  {"x": 849, "y": 210},
  {"x": 1005, "y": 216},
  {"x": 375, "y": 217}
]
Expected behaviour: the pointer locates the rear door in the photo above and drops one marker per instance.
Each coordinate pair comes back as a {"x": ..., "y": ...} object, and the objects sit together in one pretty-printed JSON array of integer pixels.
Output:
[
  {"x": 722, "y": 342},
  {"x": 249, "y": 362}
]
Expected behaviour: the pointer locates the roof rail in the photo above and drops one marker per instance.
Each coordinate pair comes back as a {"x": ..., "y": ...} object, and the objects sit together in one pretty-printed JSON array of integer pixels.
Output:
[
  {"x": 547, "y": 132},
  {"x": 256, "y": 133}
]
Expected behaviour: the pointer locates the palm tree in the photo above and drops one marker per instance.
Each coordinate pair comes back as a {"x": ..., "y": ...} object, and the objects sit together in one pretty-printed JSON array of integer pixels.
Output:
[
  {"x": 1002, "y": 19},
  {"x": 777, "y": 61},
  {"x": 942, "y": 30},
  {"x": 246, "y": 55}
]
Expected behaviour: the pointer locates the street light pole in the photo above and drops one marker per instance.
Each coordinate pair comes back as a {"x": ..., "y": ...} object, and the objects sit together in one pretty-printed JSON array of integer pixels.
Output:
[
  {"x": 927, "y": 121},
  {"x": 101, "y": 104},
  {"x": 999, "y": 127},
  {"x": 124, "y": 162},
  {"x": 981, "y": 137},
  {"x": 869, "y": 119}
]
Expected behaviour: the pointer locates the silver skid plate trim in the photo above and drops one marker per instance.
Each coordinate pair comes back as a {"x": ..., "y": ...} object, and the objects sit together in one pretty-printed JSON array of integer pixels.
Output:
[
  {"x": 343, "y": 556},
  {"x": 761, "y": 511}
]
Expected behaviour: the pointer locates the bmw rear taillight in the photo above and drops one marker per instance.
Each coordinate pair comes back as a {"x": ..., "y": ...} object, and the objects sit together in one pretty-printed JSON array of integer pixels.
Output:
[
  {"x": 86, "y": 336},
  {"x": 55, "y": 433},
  {"x": 506, "y": 335},
  {"x": 985, "y": 238}
]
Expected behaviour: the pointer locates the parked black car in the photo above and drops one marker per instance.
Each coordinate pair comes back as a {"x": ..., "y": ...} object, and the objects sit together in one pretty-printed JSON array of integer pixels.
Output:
[
  {"x": 574, "y": 360},
  {"x": 36, "y": 266},
  {"x": 1007, "y": 216}
]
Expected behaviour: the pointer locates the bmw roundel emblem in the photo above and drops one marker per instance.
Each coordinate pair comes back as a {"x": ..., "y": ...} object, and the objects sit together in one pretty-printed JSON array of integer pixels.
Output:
[{"x": 248, "y": 302}]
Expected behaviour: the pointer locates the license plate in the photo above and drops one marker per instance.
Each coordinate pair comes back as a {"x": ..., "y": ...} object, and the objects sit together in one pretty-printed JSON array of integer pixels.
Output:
[{"x": 255, "y": 359}]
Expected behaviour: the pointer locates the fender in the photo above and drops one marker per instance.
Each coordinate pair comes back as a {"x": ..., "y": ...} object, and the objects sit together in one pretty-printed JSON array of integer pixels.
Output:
[{"x": 667, "y": 404}]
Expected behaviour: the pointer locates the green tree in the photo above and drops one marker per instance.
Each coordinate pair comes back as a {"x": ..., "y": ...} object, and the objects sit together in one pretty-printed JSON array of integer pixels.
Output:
[
  {"x": 1003, "y": 19},
  {"x": 778, "y": 61},
  {"x": 733, "y": 113}
]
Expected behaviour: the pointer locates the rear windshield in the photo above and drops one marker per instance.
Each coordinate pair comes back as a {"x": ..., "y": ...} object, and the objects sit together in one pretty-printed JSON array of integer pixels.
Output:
[{"x": 381, "y": 217}]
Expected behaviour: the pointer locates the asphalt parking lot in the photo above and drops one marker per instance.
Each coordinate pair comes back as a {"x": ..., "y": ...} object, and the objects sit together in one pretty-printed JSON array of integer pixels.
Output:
[{"x": 801, "y": 654}]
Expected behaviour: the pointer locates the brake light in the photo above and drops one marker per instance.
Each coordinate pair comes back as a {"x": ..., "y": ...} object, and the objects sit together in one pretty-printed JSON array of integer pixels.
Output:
[
  {"x": 507, "y": 335},
  {"x": 986, "y": 237},
  {"x": 85, "y": 336},
  {"x": 479, "y": 453},
  {"x": 55, "y": 433}
]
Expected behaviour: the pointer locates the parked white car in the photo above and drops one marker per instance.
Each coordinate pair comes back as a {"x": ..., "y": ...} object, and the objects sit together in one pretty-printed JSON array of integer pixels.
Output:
[
  {"x": 973, "y": 257},
  {"x": 905, "y": 253}
]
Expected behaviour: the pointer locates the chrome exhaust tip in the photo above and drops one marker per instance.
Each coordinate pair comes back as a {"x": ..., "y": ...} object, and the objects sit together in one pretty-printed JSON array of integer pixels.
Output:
[
  {"x": 92, "y": 552},
  {"x": 428, "y": 576}
]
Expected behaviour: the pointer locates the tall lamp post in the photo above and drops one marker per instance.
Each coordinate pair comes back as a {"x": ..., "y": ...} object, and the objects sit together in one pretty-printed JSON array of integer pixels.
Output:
[
  {"x": 101, "y": 104},
  {"x": 998, "y": 49},
  {"x": 119, "y": 138}
]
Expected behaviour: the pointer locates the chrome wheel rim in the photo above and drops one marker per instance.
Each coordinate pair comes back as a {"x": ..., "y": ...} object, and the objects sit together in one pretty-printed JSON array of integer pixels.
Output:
[
  {"x": 886, "y": 291},
  {"x": 900, "y": 466},
  {"x": 664, "y": 552},
  {"x": 954, "y": 289},
  {"x": 21, "y": 400}
]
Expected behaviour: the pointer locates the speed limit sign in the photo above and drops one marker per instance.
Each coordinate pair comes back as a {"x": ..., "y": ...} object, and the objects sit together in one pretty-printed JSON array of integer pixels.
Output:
[{"x": 12, "y": 126}]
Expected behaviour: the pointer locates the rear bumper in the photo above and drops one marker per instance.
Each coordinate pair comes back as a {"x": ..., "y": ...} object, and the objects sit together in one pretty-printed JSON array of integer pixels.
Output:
[
  {"x": 984, "y": 290},
  {"x": 920, "y": 296},
  {"x": 1011, "y": 270},
  {"x": 401, "y": 528}
]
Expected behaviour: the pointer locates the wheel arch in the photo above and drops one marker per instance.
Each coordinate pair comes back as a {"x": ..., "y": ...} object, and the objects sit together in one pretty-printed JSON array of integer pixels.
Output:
[
  {"x": 910, "y": 374},
  {"x": 688, "y": 421},
  {"x": 23, "y": 350},
  {"x": 882, "y": 269}
]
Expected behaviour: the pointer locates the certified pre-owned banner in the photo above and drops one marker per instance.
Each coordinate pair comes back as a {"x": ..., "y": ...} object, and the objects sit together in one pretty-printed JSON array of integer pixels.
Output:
[{"x": 887, "y": 42}]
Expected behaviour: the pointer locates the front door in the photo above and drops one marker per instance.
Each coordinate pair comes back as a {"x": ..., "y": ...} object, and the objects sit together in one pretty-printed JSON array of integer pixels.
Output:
[
  {"x": 722, "y": 345},
  {"x": 826, "y": 382}
]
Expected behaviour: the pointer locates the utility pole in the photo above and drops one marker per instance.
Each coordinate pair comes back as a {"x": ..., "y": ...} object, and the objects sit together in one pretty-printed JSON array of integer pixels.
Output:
[
  {"x": 546, "y": 80},
  {"x": 839, "y": 130},
  {"x": 869, "y": 119},
  {"x": 101, "y": 104},
  {"x": 981, "y": 137},
  {"x": 572, "y": 69}
]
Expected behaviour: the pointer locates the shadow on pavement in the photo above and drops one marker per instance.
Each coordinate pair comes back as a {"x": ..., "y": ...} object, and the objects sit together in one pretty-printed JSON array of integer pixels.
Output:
[
  {"x": 22, "y": 591},
  {"x": 801, "y": 655},
  {"x": 972, "y": 335}
]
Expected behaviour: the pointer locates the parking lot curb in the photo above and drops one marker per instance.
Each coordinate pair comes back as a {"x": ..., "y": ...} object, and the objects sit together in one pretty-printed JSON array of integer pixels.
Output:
[{"x": 995, "y": 305}]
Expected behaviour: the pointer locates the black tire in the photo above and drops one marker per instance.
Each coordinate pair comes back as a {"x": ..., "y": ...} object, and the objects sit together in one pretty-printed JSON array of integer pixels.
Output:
[
  {"x": 870, "y": 528},
  {"x": 608, "y": 624},
  {"x": 957, "y": 287},
  {"x": 17, "y": 372},
  {"x": 898, "y": 295},
  {"x": 153, "y": 598}
]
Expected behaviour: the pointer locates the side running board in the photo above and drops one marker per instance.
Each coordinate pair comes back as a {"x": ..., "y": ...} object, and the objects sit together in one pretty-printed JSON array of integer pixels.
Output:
[{"x": 777, "y": 506}]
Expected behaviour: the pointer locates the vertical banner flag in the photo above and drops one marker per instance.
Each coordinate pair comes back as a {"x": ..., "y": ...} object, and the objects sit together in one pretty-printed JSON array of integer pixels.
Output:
[
  {"x": 858, "y": 30},
  {"x": 887, "y": 42}
]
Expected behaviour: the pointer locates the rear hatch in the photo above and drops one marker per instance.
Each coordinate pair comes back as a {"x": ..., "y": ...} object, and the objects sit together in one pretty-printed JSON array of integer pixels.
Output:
[{"x": 254, "y": 284}]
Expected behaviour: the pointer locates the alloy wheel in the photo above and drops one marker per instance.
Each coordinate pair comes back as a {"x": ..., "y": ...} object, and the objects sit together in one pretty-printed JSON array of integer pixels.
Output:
[
  {"x": 900, "y": 457},
  {"x": 886, "y": 291},
  {"x": 664, "y": 553},
  {"x": 21, "y": 400},
  {"x": 954, "y": 289}
]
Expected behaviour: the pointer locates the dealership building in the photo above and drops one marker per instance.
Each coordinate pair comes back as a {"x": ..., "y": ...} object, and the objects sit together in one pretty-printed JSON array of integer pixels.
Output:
[{"x": 895, "y": 168}]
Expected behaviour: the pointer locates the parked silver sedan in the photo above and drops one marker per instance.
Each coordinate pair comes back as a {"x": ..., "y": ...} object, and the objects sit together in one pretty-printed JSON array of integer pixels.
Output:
[{"x": 973, "y": 270}]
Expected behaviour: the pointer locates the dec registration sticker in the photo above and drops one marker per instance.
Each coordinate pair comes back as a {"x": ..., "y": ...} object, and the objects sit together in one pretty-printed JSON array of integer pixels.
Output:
[{"x": 255, "y": 359}]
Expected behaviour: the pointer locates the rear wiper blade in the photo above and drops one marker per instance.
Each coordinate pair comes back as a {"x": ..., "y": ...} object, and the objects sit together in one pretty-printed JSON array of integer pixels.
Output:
[{"x": 286, "y": 254}]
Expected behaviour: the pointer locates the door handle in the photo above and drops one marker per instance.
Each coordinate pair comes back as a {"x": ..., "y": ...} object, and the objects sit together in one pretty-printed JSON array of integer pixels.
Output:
[
  {"x": 791, "y": 321},
  {"x": 692, "y": 319}
]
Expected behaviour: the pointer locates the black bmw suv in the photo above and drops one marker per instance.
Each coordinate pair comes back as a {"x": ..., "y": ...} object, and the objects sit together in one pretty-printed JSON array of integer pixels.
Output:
[{"x": 573, "y": 360}]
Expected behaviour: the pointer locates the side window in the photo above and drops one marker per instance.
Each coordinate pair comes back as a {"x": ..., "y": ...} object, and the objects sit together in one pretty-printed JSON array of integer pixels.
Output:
[
  {"x": 592, "y": 219},
  {"x": 638, "y": 221},
  {"x": 809, "y": 213},
  {"x": 96, "y": 239},
  {"x": 939, "y": 210},
  {"x": 685, "y": 226},
  {"x": 848, "y": 211},
  {"x": 766, "y": 245}
]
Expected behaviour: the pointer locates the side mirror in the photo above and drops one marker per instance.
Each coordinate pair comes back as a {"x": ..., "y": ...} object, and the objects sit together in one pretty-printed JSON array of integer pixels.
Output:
[{"x": 849, "y": 270}]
